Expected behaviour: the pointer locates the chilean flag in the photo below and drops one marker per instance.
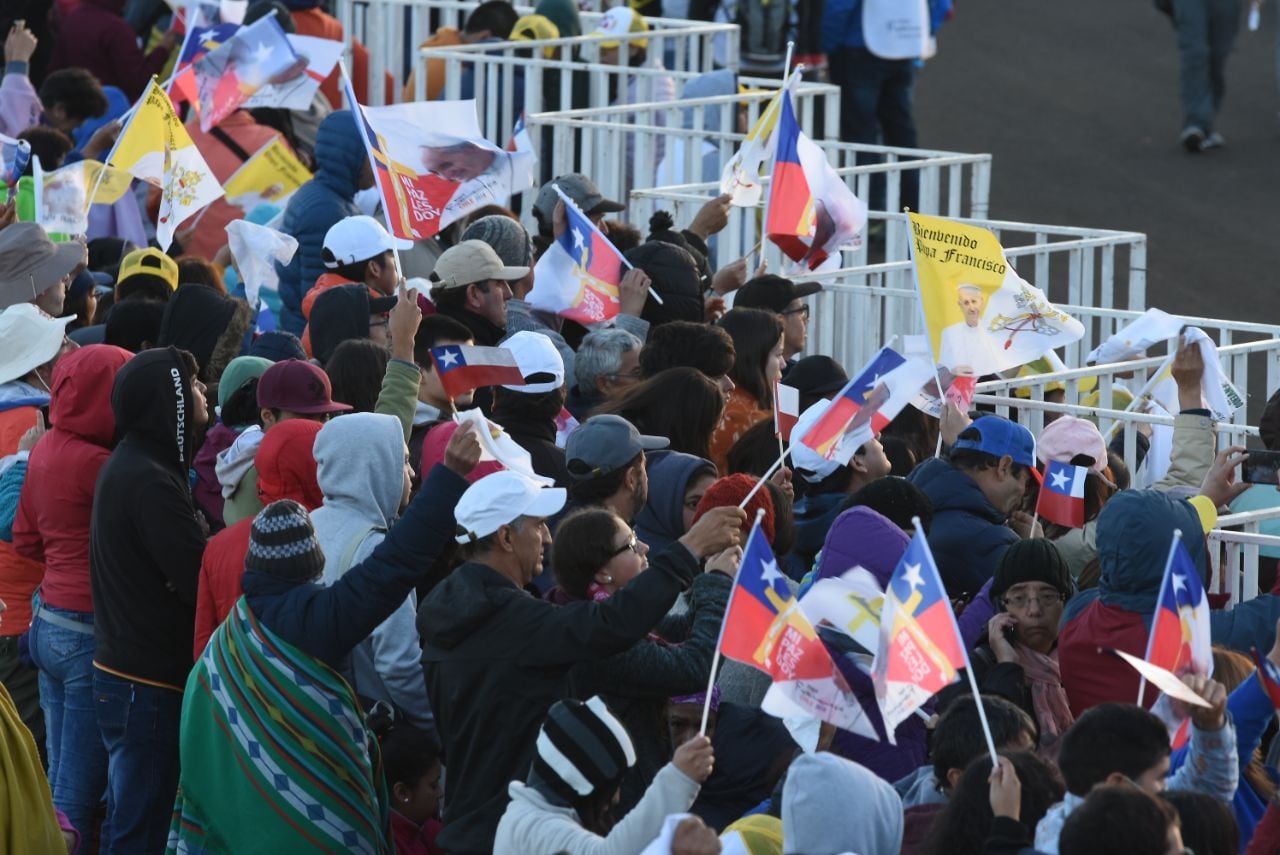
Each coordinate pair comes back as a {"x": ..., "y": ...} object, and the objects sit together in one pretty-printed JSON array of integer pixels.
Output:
[
  {"x": 226, "y": 76},
  {"x": 812, "y": 212},
  {"x": 199, "y": 41},
  {"x": 786, "y": 410},
  {"x": 577, "y": 277},
  {"x": 1180, "y": 639},
  {"x": 1062, "y": 495},
  {"x": 920, "y": 648},
  {"x": 867, "y": 404},
  {"x": 463, "y": 367}
]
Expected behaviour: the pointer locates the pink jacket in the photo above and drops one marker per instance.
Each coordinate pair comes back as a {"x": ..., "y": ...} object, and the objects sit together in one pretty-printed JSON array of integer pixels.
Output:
[{"x": 20, "y": 106}]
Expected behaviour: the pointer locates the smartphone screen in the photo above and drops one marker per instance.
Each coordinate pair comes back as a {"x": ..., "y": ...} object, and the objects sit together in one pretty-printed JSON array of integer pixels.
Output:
[{"x": 1261, "y": 467}]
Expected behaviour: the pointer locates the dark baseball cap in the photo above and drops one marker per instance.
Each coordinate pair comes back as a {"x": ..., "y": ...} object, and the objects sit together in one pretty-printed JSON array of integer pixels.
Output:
[
  {"x": 772, "y": 292},
  {"x": 581, "y": 189},
  {"x": 998, "y": 437},
  {"x": 299, "y": 387},
  {"x": 816, "y": 375},
  {"x": 604, "y": 444}
]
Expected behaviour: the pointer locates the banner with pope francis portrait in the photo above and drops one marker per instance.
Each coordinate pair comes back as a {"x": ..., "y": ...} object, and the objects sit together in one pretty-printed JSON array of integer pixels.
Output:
[{"x": 981, "y": 316}]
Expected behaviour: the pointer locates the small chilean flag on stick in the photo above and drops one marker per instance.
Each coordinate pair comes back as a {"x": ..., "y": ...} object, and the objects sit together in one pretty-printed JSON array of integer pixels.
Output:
[
  {"x": 1062, "y": 496},
  {"x": 578, "y": 276},
  {"x": 462, "y": 367},
  {"x": 786, "y": 410}
]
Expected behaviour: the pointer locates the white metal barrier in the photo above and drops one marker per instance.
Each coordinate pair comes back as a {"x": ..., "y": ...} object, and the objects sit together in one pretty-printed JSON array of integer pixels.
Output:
[{"x": 1235, "y": 554}]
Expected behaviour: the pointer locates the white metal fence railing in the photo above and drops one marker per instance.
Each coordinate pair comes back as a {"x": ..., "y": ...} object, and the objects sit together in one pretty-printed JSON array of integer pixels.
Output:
[{"x": 1234, "y": 550}]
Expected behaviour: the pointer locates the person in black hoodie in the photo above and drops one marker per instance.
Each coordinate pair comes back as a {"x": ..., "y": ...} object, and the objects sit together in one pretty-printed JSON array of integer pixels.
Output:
[
  {"x": 145, "y": 545},
  {"x": 211, "y": 326},
  {"x": 497, "y": 658},
  {"x": 346, "y": 312}
]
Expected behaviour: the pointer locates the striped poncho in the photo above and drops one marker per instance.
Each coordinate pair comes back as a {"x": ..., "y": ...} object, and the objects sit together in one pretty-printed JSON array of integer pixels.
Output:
[{"x": 275, "y": 753}]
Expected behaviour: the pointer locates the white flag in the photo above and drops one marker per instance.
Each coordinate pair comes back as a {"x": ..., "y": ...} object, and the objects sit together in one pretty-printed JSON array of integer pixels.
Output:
[{"x": 256, "y": 250}]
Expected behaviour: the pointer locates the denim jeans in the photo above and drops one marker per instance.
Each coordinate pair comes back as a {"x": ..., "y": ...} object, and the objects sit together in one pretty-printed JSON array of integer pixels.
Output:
[
  {"x": 77, "y": 758},
  {"x": 139, "y": 725},
  {"x": 875, "y": 108},
  {"x": 1206, "y": 33}
]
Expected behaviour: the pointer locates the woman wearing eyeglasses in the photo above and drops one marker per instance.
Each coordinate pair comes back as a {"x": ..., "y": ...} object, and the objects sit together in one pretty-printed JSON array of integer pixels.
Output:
[
  {"x": 594, "y": 554},
  {"x": 1019, "y": 658}
]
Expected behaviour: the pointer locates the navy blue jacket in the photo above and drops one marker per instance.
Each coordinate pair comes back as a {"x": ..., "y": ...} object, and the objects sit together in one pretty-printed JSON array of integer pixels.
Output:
[
  {"x": 968, "y": 534},
  {"x": 328, "y": 621},
  {"x": 814, "y": 516},
  {"x": 340, "y": 159},
  {"x": 842, "y": 22}
]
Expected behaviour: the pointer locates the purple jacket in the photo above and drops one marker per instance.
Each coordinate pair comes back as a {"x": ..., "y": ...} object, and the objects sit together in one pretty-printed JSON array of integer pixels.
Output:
[{"x": 94, "y": 36}]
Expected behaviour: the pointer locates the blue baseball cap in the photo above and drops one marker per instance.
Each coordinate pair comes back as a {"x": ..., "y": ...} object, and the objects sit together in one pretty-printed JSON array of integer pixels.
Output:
[{"x": 998, "y": 437}]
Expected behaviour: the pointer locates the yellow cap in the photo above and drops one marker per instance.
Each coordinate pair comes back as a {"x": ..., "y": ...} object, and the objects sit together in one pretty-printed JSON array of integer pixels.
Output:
[
  {"x": 1043, "y": 366},
  {"x": 536, "y": 28},
  {"x": 621, "y": 19},
  {"x": 151, "y": 261}
]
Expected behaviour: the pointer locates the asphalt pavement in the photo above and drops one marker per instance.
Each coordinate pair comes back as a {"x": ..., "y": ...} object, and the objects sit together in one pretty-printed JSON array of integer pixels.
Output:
[{"x": 1078, "y": 103}]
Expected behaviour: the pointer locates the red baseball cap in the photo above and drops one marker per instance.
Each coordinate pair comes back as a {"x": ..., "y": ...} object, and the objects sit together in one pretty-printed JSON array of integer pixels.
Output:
[{"x": 299, "y": 387}]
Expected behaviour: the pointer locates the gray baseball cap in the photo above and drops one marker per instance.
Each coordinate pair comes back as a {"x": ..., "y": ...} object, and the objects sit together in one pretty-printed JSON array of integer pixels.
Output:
[
  {"x": 581, "y": 189},
  {"x": 605, "y": 444}
]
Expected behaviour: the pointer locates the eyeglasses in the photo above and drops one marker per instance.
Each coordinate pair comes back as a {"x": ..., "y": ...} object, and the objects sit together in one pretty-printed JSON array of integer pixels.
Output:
[
  {"x": 803, "y": 310},
  {"x": 1022, "y": 601},
  {"x": 632, "y": 544}
]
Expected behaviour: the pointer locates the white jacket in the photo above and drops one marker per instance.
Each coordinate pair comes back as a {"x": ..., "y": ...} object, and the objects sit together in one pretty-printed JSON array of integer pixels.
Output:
[{"x": 534, "y": 826}]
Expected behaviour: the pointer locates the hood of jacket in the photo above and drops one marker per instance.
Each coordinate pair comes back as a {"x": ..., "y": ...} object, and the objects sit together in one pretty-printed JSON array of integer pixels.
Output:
[
  {"x": 286, "y": 465},
  {"x": 338, "y": 314},
  {"x": 1135, "y": 529},
  {"x": 208, "y": 324},
  {"x": 818, "y": 818},
  {"x": 234, "y": 461},
  {"x": 661, "y": 521},
  {"x": 359, "y": 467},
  {"x": 152, "y": 401},
  {"x": 81, "y": 400},
  {"x": 861, "y": 537},
  {"x": 675, "y": 277},
  {"x": 949, "y": 489},
  {"x": 340, "y": 154},
  {"x": 464, "y": 602},
  {"x": 722, "y": 82}
]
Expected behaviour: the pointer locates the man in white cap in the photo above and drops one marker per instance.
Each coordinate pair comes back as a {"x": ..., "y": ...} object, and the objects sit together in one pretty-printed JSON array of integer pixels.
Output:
[
  {"x": 966, "y": 347},
  {"x": 528, "y": 413},
  {"x": 496, "y": 658},
  {"x": 34, "y": 269},
  {"x": 30, "y": 344}
]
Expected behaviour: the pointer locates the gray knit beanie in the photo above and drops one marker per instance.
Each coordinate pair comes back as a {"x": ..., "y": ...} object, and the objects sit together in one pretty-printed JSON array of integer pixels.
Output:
[
  {"x": 283, "y": 543},
  {"x": 507, "y": 237}
]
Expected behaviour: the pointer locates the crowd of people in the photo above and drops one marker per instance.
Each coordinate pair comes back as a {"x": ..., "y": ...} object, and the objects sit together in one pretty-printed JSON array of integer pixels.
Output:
[{"x": 278, "y": 591}]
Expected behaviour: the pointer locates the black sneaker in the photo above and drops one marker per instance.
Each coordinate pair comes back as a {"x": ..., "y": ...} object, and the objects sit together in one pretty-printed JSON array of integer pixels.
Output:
[{"x": 1193, "y": 139}]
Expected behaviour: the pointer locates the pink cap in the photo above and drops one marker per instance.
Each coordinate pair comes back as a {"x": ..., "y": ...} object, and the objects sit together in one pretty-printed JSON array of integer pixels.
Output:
[
  {"x": 433, "y": 452},
  {"x": 1067, "y": 436}
]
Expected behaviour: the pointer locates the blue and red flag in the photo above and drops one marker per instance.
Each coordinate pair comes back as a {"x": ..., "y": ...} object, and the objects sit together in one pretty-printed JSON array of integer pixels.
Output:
[
  {"x": 812, "y": 212},
  {"x": 1062, "y": 494},
  {"x": 1180, "y": 639},
  {"x": 463, "y": 367},
  {"x": 198, "y": 42},
  {"x": 920, "y": 648},
  {"x": 15, "y": 154},
  {"x": 765, "y": 628},
  {"x": 229, "y": 74},
  {"x": 578, "y": 276},
  {"x": 866, "y": 404}
]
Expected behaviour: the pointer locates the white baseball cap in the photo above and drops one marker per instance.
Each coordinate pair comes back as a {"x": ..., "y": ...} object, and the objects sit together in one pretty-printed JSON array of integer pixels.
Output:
[
  {"x": 355, "y": 239},
  {"x": 500, "y": 499},
  {"x": 815, "y": 467},
  {"x": 28, "y": 339},
  {"x": 535, "y": 354}
]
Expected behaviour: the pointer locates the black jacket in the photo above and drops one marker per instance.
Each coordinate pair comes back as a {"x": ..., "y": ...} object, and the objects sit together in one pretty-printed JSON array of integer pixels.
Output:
[
  {"x": 145, "y": 543},
  {"x": 496, "y": 659},
  {"x": 536, "y": 436},
  {"x": 327, "y": 621}
]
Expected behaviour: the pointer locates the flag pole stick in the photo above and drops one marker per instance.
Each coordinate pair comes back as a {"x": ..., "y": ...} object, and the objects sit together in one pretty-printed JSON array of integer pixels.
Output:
[
  {"x": 1173, "y": 545},
  {"x": 765, "y": 477},
  {"x": 386, "y": 211},
  {"x": 982, "y": 712},
  {"x": 715, "y": 658},
  {"x": 928, "y": 337}
]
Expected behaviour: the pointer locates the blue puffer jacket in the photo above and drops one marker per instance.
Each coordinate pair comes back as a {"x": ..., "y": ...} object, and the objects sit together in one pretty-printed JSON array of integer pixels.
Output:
[
  {"x": 318, "y": 204},
  {"x": 842, "y": 22},
  {"x": 968, "y": 534}
]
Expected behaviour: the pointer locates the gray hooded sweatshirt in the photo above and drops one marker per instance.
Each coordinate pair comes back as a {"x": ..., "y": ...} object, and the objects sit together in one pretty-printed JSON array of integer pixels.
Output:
[
  {"x": 831, "y": 805},
  {"x": 360, "y": 469}
]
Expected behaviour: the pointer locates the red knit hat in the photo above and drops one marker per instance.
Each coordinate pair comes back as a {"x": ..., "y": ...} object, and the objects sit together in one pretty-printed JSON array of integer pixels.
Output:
[
  {"x": 286, "y": 465},
  {"x": 729, "y": 491}
]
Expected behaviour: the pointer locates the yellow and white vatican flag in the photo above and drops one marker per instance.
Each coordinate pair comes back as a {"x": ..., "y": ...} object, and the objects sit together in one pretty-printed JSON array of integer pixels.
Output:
[
  {"x": 740, "y": 177},
  {"x": 155, "y": 147},
  {"x": 981, "y": 316}
]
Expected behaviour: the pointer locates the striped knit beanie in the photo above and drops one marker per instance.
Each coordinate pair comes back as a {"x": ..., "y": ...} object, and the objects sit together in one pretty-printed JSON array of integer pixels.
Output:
[
  {"x": 283, "y": 543},
  {"x": 581, "y": 749}
]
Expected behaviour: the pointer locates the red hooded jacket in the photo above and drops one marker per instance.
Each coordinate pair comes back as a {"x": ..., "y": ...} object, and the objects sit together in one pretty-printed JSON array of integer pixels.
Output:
[
  {"x": 52, "y": 524},
  {"x": 286, "y": 470}
]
